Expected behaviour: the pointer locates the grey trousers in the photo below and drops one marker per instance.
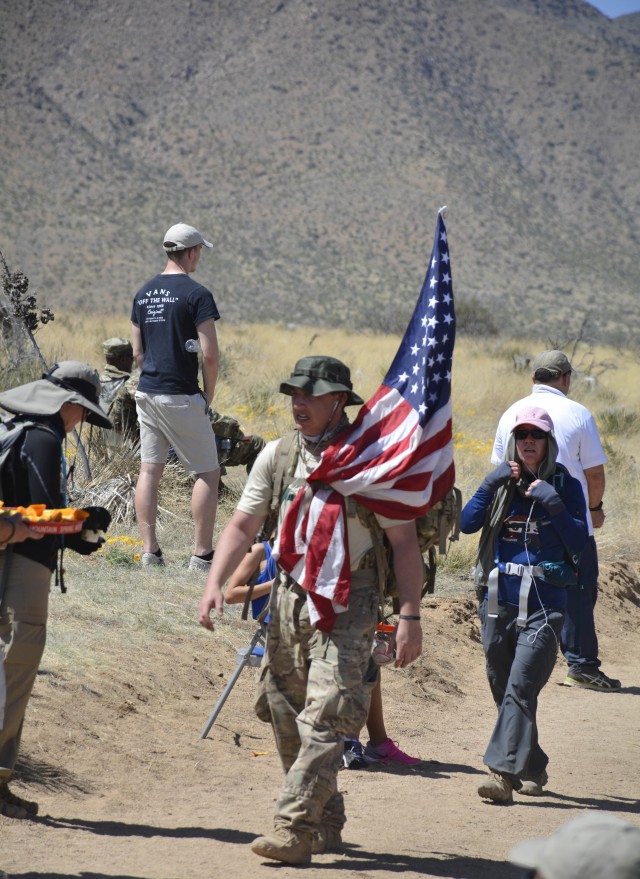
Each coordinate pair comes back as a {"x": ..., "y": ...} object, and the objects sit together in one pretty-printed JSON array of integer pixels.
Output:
[{"x": 519, "y": 663}]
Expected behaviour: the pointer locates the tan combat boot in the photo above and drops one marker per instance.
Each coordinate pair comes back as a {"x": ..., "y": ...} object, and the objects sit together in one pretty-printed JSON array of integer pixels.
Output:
[
  {"x": 496, "y": 787},
  {"x": 533, "y": 787},
  {"x": 285, "y": 845},
  {"x": 326, "y": 838}
]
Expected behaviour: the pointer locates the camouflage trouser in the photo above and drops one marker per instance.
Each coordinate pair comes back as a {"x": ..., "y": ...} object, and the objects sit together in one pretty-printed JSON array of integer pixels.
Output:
[{"x": 315, "y": 688}]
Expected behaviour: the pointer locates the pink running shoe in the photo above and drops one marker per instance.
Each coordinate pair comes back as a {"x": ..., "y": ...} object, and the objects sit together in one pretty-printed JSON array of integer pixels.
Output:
[{"x": 388, "y": 752}]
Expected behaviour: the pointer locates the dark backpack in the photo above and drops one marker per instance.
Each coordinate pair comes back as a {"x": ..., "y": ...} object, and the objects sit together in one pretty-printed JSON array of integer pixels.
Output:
[{"x": 10, "y": 432}]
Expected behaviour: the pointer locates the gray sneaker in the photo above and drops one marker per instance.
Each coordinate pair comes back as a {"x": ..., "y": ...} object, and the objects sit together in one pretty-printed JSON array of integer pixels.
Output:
[
  {"x": 592, "y": 680},
  {"x": 150, "y": 560},
  {"x": 198, "y": 564}
]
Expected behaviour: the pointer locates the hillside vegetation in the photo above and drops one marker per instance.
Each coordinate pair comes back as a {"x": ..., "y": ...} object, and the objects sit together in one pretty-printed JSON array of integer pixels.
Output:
[
  {"x": 314, "y": 143},
  {"x": 255, "y": 358}
]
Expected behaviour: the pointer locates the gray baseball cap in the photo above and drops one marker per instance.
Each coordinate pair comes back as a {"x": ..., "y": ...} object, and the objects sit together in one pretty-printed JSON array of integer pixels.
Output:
[
  {"x": 595, "y": 845},
  {"x": 182, "y": 237},
  {"x": 550, "y": 365}
]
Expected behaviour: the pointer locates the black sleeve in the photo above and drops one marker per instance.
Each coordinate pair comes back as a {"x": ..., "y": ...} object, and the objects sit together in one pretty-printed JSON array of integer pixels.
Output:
[{"x": 41, "y": 454}]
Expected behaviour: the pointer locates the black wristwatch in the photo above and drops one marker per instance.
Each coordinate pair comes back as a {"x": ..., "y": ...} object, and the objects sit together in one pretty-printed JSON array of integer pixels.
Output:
[{"x": 596, "y": 509}]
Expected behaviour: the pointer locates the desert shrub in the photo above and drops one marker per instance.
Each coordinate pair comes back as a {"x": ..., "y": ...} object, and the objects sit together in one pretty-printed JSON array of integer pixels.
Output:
[
  {"x": 474, "y": 318},
  {"x": 619, "y": 421},
  {"x": 20, "y": 319}
]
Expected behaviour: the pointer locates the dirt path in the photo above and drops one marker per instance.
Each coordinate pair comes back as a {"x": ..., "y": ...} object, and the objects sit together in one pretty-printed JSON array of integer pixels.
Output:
[{"x": 127, "y": 788}]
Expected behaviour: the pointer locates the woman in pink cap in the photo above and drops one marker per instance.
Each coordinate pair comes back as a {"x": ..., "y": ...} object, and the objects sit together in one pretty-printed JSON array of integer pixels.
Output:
[{"x": 533, "y": 520}]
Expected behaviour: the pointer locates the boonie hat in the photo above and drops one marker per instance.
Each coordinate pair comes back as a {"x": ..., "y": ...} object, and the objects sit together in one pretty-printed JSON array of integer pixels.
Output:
[
  {"x": 595, "y": 845},
  {"x": 317, "y": 375},
  {"x": 117, "y": 347},
  {"x": 182, "y": 237},
  {"x": 66, "y": 382},
  {"x": 534, "y": 416},
  {"x": 550, "y": 365}
]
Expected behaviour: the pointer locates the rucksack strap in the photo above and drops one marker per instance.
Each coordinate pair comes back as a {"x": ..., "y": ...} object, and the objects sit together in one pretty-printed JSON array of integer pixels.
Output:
[
  {"x": 447, "y": 530},
  {"x": 526, "y": 574},
  {"x": 286, "y": 460}
]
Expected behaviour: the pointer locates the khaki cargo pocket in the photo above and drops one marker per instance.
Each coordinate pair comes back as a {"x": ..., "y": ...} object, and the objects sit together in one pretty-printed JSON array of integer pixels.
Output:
[{"x": 261, "y": 703}]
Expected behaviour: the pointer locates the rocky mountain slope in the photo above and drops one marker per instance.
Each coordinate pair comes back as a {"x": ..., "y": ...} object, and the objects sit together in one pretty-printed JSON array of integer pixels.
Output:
[{"x": 313, "y": 141}]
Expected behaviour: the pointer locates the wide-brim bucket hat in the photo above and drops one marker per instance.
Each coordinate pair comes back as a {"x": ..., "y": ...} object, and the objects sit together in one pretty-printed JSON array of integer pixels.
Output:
[
  {"x": 66, "y": 382},
  {"x": 317, "y": 375}
]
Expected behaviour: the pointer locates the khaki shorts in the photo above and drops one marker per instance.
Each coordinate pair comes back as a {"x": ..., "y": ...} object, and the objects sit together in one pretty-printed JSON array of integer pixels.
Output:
[{"x": 180, "y": 422}]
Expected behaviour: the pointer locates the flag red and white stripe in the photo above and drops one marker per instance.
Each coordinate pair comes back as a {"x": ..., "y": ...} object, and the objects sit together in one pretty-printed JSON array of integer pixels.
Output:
[{"x": 396, "y": 459}]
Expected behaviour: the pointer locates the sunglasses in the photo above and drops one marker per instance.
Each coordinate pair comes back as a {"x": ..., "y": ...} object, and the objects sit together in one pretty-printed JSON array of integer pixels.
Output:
[{"x": 534, "y": 434}]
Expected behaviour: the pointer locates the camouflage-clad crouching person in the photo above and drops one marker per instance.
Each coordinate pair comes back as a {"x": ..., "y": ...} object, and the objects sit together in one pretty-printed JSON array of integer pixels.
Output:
[
  {"x": 315, "y": 685},
  {"x": 117, "y": 388},
  {"x": 118, "y": 399},
  {"x": 235, "y": 449}
]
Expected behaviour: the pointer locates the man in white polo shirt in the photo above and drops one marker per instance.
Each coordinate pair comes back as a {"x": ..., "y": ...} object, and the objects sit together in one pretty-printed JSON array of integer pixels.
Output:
[{"x": 581, "y": 452}]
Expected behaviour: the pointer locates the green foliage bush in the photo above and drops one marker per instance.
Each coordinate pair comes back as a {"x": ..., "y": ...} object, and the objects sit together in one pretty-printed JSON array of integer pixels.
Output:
[{"x": 474, "y": 318}]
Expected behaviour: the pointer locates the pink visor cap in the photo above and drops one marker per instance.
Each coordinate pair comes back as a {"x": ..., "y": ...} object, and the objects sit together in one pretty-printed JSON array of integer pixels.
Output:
[{"x": 534, "y": 416}]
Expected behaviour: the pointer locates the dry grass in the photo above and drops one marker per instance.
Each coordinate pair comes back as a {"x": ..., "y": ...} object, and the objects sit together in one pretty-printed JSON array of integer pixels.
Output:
[{"x": 111, "y": 600}]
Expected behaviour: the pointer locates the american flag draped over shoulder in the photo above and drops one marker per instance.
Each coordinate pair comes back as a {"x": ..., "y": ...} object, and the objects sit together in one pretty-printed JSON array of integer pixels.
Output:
[{"x": 396, "y": 459}]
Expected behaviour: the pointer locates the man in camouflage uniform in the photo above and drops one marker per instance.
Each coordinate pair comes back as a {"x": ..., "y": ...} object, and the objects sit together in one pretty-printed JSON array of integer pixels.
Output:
[
  {"x": 118, "y": 384},
  {"x": 235, "y": 448},
  {"x": 315, "y": 685},
  {"x": 118, "y": 399}
]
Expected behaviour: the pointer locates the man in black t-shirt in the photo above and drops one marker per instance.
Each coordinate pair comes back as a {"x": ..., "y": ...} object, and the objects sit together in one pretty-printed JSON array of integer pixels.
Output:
[{"x": 173, "y": 319}]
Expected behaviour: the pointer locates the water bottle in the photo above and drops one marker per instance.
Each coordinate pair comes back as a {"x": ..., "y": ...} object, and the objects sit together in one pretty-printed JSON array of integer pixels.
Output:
[
  {"x": 381, "y": 652},
  {"x": 193, "y": 346}
]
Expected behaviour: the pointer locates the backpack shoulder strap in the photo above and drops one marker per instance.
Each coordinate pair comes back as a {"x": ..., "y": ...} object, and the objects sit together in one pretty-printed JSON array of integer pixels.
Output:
[
  {"x": 559, "y": 478},
  {"x": 10, "y": 432},
  {"x": 285, "y": 465},
  {"x": 286, "y": 460},
  {"x": 381, "y": 549}
]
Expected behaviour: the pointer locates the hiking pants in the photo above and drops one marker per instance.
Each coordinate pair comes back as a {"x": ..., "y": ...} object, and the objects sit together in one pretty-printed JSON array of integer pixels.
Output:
[
  {"x": 519, "y": 663},
  {"x": 23, "y": 618},
  {"x": 579, "y": 640},
  {"x": 318, "y": 687}
]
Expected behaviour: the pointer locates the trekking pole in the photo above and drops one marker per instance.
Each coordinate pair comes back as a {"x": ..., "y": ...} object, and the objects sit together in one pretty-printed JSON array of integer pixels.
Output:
[{"x": 246, "y": 656}]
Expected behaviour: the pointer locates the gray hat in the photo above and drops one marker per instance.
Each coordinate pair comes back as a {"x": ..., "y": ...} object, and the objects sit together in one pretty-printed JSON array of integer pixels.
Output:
[
  {"x": 117, "y": 347},
  {"x": 182, "y": 237},
  {"x": 595, "y": 845},
  {"x": 317, "y": 375},
  {"x": 67, "y": 382},
  {"x": 550, "y": 365}
]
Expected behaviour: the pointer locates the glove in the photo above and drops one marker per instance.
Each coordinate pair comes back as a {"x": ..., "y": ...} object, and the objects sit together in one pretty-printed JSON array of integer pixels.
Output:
[
  {"x": 546, "y": 495},
  {"x": 99, "y": 519},
  {"x": 500, "y": 476},
  {"x": 79, "y": 544},
  {"x": 92, "y": 535}
]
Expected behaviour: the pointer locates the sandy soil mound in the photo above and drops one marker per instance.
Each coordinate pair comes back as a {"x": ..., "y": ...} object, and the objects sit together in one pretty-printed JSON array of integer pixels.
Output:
[{"x": 128, "y": 789}]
